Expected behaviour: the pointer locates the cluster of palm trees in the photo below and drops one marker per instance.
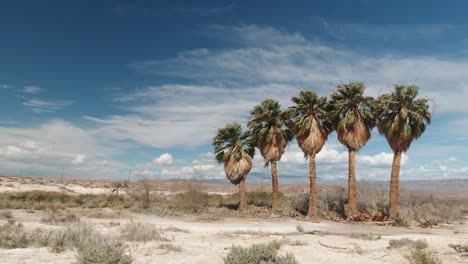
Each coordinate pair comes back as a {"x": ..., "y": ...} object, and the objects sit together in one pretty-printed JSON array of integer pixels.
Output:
[{"x": 399, "y": 116}]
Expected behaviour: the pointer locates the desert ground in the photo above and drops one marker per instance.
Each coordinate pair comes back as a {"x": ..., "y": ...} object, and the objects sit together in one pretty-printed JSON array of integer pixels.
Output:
[{"x": 193, "y": 238}]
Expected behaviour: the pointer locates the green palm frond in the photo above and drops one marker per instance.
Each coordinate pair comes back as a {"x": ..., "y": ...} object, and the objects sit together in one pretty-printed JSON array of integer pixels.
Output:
[
  {"x": 231, "y": 142},
  {"x": 308, "y": 105},
  {"x": 401, "y": 117},
  {"x": 352, "y": 114},
  {"x": 269, "y": 123}
]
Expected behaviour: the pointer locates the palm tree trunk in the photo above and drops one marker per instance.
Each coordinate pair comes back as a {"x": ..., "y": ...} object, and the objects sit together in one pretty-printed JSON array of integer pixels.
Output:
[
  {"x": 395, "y": 185},
  {"x": 352, "y": 208},
  {"x": 242, "y": 195},
  {"x": 313, "y": 187},
  {"x": 274, "y": 181}
]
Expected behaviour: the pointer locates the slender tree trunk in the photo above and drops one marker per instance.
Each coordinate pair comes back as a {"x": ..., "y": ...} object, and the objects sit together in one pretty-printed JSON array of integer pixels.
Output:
[
  {"x": 313, "y": 187},
  {"x": 352, "y": 208},
  {"x": 242, "y": 195},
  {"x": 395, "y": 185},
  {"x": 274, "y": 181}
]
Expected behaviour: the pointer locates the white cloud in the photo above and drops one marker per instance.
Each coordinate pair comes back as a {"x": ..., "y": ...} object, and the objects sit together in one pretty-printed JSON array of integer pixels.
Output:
[
  {"x": 79, "y": 159},
  {"x": 39, "y": 105},
  {"x": 57, "y": 144},
  {"x": 271, "y": 56},
  {"x": 183, "y": 115},
  {"x": 32, "y": 89},
  {"x": 164, "y": 159}
]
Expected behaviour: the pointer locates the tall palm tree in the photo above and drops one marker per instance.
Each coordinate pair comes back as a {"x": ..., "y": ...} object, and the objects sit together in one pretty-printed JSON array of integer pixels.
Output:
[
  {"x": 353, "y": 119},
  {"x": 309, "y": 122},
  {"x": 235, "y": 150},
  {"x": 270, "y": 132},
  {"x": 401, "y": 118}
]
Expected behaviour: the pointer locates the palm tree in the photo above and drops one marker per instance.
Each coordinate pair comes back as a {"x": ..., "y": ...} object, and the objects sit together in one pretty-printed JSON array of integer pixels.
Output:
[
  {"x": 270, "y": 132},
  {"x": 353, "y": 119},
  {"x": 401, "y": 118},
  {"x": 235, "y": 150},
  {"x": 309, "y": 122}
]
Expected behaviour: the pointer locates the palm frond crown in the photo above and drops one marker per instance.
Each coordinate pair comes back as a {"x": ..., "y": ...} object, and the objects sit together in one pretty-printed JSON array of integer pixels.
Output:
[
  {"x": 352, "y": 114},
  {"x": 231, "y": 143},
  {"x": 401, "y": 117},
  {"x": 270, "y": 129},
  {"x": 310, "y": 121}
]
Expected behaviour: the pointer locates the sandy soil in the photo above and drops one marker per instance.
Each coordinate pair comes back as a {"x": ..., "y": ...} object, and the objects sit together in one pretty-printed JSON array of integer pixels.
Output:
[{"x": 209, "y": 242}]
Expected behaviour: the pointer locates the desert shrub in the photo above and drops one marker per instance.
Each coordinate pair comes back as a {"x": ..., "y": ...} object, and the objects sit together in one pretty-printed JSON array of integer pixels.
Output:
[
  {"x": 56, "y": 218},
  {"x": 422, "y": 255},
  {"x": 103, "y": 215},
  {"x": 192, "y": 200},
  {"x": 257, "y": 254},
  {"x": 406, "y": 242},
  {"x": 110, "y": 252},
  {"x": 6, "y": 214},
  {"x": 142, "y": 232},
  {"x": 364, "y": 236},
  {"x": 429, "y": 210},
  {"x": 332, "y": 202},
  {"x": 372, "y": 201},
  {"x": 459, "y": 248},
  {"x": 13, "y": 236},
  {"x": 42, "y": 200},
  {"x": 170, "y": 247}
]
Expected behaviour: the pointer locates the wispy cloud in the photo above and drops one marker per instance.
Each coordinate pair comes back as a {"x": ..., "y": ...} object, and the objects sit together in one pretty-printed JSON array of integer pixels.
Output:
[
  {"x": 6, "y": 86},
  {"x": 268, "y": 55},
  {"x": 40, "y": 105},
  {"x": 32, "y": 89},
  {"x": 340, "y": 30}
]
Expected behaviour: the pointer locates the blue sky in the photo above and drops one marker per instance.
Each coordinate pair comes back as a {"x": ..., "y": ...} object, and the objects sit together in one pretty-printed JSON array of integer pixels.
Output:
[{"x": 97, "y": 88}]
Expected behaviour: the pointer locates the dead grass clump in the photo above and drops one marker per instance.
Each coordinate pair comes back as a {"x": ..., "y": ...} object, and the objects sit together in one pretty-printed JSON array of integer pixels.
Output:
[
  {"x": 142, "y": 232},
  {"x": 6, "y": 214},
  {"x": 459, "y": 248},
  {"x": 55, "y": 217},
  {"x": 431, "y": 211},
  {"x": 406, "y": 242},
  {"x": 13, "y": 236},
  {"x": 256, "y": 254},
  {"x": 170, "y": 247},
  {"x": 103, "y": 215},
  {"x": 41, "y": 200},
  {"x": 364, "y": 236},
  {"x": 175, "y": 229}
]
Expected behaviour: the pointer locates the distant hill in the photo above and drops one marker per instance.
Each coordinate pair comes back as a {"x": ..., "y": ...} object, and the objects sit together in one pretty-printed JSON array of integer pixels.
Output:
[{"x": 448, "y": 186}]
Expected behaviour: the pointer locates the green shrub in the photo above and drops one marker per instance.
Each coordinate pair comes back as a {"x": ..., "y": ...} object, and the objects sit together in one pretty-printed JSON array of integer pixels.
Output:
[
  {"x": 422, "y": 255},
  {"x": 258, "y": 254},
  {"x": 104, "y": 252}
]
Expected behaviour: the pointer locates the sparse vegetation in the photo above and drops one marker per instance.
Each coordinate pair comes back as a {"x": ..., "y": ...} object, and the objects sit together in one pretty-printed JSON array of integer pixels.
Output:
[
  {"x": 142, "y": 232},
  {"x": 111, "y": 252},
  {"x": 406, "y": 242},
  {"x": 257, "y": 254},
  {"x": 54, "y": 217},
  {"x": 422, "y": 255},
  {"x": 364, "y": 236},
  {"x": 170, "y": 247},
  {"x": 460, "y": 248}
]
